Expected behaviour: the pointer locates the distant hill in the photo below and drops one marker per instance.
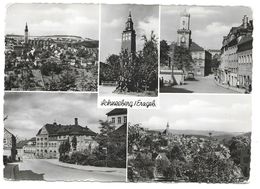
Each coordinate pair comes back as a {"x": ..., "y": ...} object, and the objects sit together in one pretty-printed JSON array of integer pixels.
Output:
[
  {"x": 53, "y": 36},
  {"x": 215, "y": 134}
]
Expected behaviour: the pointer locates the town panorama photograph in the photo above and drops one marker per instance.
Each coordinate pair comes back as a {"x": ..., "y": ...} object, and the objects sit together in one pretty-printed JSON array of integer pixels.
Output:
[
  {"x": 206, "y": 49},
  {"x": 51, "y": 47},
  {"x": 63, "y": 137},
  {"x": 191, "y": 139}
]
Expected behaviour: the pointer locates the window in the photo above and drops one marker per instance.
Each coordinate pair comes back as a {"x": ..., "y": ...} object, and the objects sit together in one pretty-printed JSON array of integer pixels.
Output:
[
  {"x": 113, "y": 120},
  {"x": 125, "y": 119},
  {"x": 119, "y": 120}
]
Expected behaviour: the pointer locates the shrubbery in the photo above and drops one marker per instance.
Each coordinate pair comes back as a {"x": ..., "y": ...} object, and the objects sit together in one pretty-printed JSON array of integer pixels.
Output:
[{"x": 81, "y": 158}]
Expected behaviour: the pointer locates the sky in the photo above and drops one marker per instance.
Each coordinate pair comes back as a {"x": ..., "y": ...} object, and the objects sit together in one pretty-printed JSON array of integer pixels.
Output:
[
  {"x": 28, "y": 112},
  {"x": 228, "y": 113},
  {"x": 54, "y": 19},
  {"x": 113, "y": 18},
  {"x": 208, "y": 24}
]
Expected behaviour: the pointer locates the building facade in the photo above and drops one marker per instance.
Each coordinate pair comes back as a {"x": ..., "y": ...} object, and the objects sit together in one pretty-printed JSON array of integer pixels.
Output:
[
  {"x": 202, "y": 60},
  {"x": 9, "y": 145},
  {"x": 50, "y": 136},
  {"x": 245, "y": 62},
  {"x": 184, "y": 32},
  {"x": 229, "y": 66},
  {"x": 129, "y": 37},
  {"x": 117, "y": 117}
]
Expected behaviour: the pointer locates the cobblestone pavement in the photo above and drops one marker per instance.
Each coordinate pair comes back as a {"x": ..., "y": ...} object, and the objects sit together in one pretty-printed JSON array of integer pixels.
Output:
[{"x": 199, "y": 85}]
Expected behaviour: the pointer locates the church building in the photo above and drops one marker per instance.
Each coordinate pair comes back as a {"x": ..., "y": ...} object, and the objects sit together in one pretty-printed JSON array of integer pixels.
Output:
[
  {"x": 184, "y": 32},
  {"x": 129, "y": 37},
  {"x": 201, "y": 57},
  {"x": 26, "y": 35}
]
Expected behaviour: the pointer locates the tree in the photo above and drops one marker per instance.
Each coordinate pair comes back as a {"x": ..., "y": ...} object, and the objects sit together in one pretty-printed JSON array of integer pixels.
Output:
[
  {"x": 74, "y": 143},
  {"x": 110, "y": 70},
  {"x": 136, "y": 137},
  {"x": 64, "y": 147},
  {"x": 215, "y": 62},
  {"x": 182, "y": 59},
  {"x": 139, "y": 71},
  {"x": 236, "y": 145},
  {"x": 164, "y": 53}
]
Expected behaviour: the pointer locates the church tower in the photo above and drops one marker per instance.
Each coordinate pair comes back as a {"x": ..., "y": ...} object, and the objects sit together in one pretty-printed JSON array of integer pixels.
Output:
[
  {"x": 128, "y": 37},
  {"x": 184, "y": 32},
  {"x": 26, "y": 34}
]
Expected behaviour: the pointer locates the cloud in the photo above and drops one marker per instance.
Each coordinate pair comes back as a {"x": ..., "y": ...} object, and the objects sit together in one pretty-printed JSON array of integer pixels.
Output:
[
  {"x": 28, "y": 112},
  {"x": 193, "y": 11},
  {"x": 214, "y": 29},
  {"x": 117, "y": 22},
  {"x": 202, "y": 11},
  {"x": 199, "y": 112},
  {"x": 147, "y": 25}
]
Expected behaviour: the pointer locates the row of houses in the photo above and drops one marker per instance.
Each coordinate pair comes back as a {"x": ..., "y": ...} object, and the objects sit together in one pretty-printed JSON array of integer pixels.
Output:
[
  {"x": 49, "y": 138},
  {"x": 236, "y": 56}
]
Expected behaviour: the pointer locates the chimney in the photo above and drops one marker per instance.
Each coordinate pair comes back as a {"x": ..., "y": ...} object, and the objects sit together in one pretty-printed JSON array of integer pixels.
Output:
[{"x": 76, "y": 121}]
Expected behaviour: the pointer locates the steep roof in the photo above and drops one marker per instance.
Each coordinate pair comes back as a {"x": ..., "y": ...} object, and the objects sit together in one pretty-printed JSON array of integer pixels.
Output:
[
  {"x": 58, "y": 130},
  {"x": 21, "y": 144},
  {"x": 117, "y": 111},
  {"x": 245, "y": 39},
  {"x": 121, "y": 130},
  {"x": 195, "y": 47}
]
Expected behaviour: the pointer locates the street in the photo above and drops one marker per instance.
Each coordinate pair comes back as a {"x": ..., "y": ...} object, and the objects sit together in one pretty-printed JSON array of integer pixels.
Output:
[
  {"x": 52, "y": 170},
  {"x": 199, "y": 85}
]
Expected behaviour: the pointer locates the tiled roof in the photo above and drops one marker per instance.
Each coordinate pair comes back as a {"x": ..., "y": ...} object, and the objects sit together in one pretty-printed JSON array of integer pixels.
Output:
[
  {"x": 58, "y": 130},
  {"x": 195, "y": 47},
  {"x": 121, "y": 129},
  {"x": 21, "y": 144},
  {"x": 245, "y": 39},
  {"x": 117, "y": 111}
]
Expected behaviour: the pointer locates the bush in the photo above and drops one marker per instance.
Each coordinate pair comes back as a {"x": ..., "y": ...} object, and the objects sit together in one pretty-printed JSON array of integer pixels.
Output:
[{"x": 100, "y": 163}]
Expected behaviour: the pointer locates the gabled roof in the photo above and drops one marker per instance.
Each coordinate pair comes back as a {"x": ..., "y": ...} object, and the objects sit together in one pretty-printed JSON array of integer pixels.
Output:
[
  {"x": 21, "y": 144},
  {"x": 121, "y": 130},
  {"x": 195, "y": 47},
  {"x": 117, "y": 111}
]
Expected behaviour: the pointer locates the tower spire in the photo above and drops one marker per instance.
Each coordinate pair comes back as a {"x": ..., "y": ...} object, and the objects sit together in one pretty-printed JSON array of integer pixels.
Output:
[
  {"x": 26, "y": 34},
  {"x": 26, "y": 27}
]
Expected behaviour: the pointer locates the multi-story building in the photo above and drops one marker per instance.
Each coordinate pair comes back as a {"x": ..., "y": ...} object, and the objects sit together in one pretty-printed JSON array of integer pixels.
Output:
[
  {"x": 228, "y": 70},
  {"x": 202, "y": 60},
  {"x": 117, "y": 117},
  {"x": 245, "y": 62},
  {"x": 9, "y": 145},
  {"x": 50, "y": 136}
]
